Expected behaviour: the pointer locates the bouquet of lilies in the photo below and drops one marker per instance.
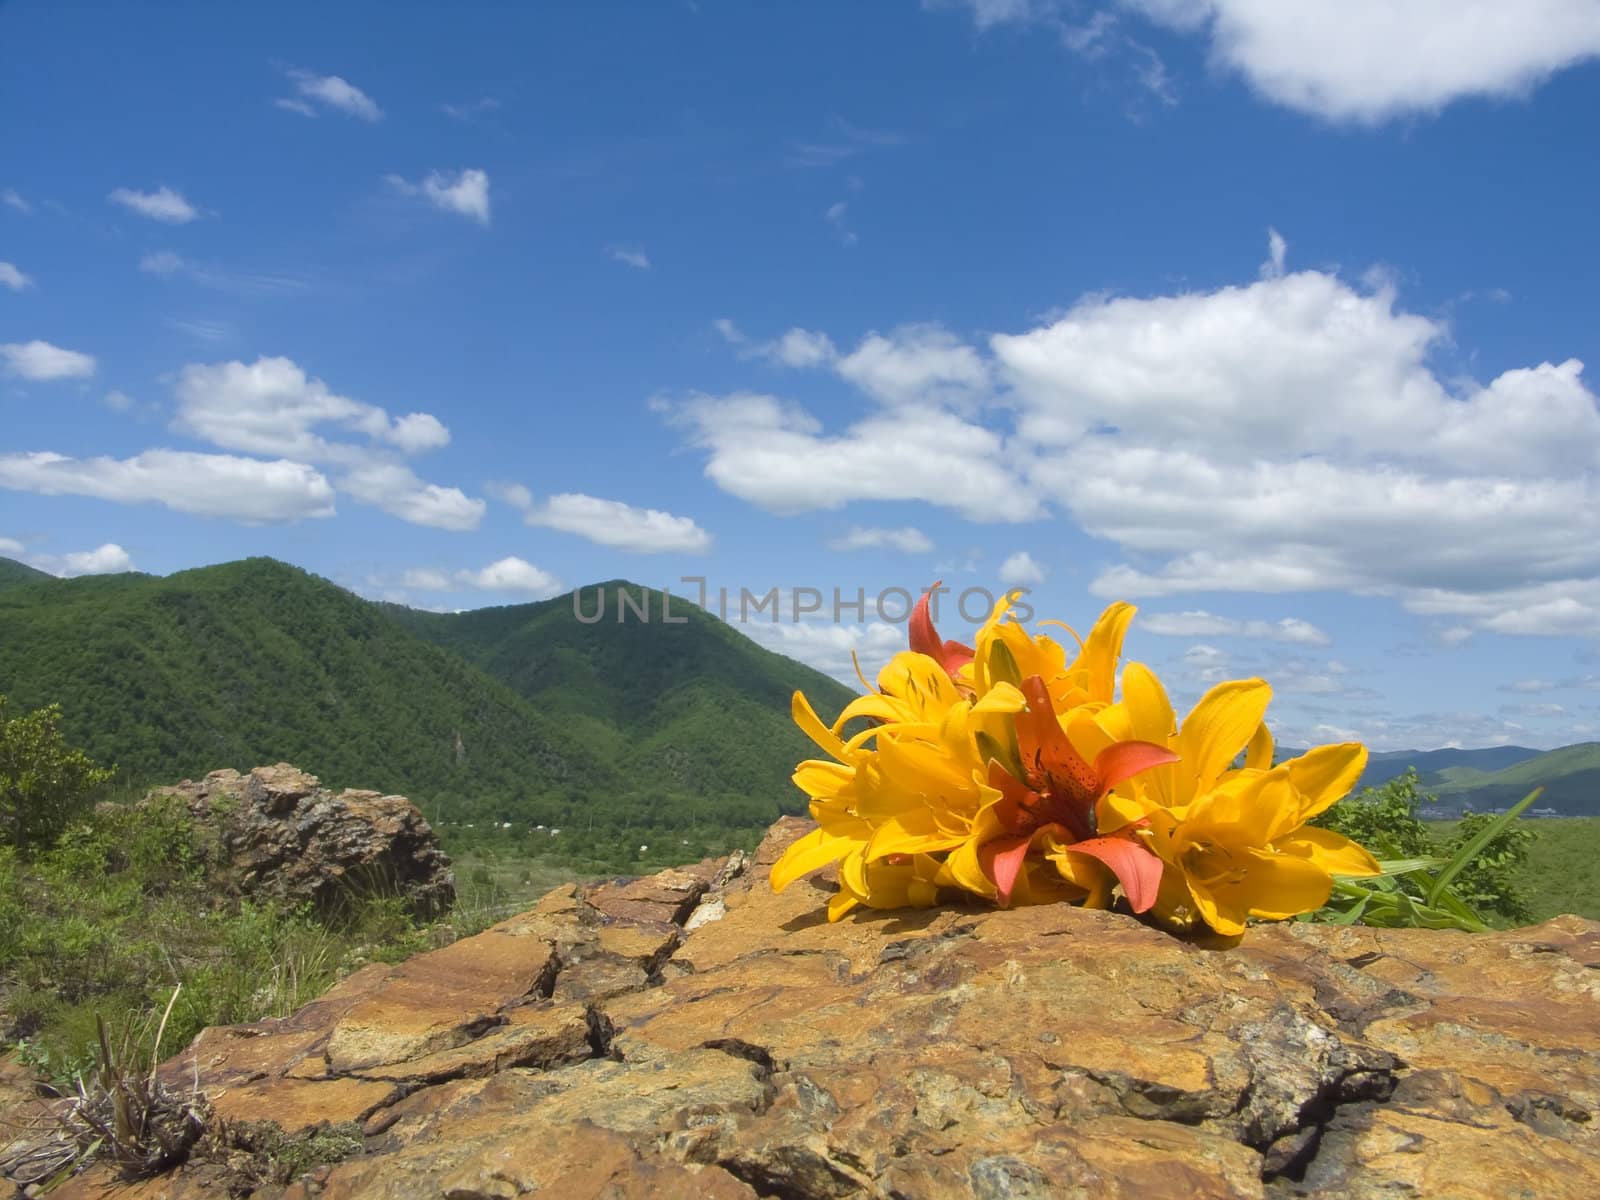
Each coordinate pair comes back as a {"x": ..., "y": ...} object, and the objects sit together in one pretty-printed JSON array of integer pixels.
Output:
[{"x": 1011, "y": 772}]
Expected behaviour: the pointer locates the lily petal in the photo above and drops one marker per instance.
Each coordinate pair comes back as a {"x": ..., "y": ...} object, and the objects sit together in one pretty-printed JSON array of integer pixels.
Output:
[
  {"x": 1325, "y": 774},
  {"x": 1217, "y": 728},
  {"x": 1001, "y": 860},
  {"x": 952, "y": 656},
  {"x": 1136, "y": 869},
  {"x": 818, "y": 848},
  {"x": 1124, "y": 760},
  {"x": 1330, "y": 851},
  {"x": 1098, "y": 658},
  {"x": 811, "y": 725},
  {"x": 1258, "y": 754},
  {"x": 915, "y": 832}
]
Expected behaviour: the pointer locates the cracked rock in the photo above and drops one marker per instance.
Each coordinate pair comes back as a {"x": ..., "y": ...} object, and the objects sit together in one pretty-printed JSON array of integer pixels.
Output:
[{"x": 591, "y": 1047}]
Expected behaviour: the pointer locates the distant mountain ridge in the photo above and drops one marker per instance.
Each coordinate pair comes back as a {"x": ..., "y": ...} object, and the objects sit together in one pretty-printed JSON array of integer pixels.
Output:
[
  {"x": 15, "y": 574},
  {"x": 1495, "y": 777},
  {"x": 1388, "y": 764},
  {"x": 605, "y": 725}
]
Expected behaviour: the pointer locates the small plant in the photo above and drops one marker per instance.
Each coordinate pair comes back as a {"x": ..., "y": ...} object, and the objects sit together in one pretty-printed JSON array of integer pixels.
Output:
[
  {"x": 1422, "y": 892},
  {"x": 1478, "y": 864},
  {"x": 259, "y": 1154},
  {"x": 118, "y": 1111}
]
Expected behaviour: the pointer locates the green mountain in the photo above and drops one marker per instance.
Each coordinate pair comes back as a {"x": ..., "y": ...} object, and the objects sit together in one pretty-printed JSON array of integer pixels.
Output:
[
  {"x": 15, "y": 574},
  {"x": 674, "y": 699},
  {"x": 1570, "y": 777},
  {"x": 610, "y": 725},
  {"x": 1431, "y": 763}
]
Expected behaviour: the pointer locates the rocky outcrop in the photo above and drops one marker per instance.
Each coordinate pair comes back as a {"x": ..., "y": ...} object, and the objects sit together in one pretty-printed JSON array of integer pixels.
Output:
[
  {"x": 277, "y": 833},
  {"x": 589, "y": 1047}
]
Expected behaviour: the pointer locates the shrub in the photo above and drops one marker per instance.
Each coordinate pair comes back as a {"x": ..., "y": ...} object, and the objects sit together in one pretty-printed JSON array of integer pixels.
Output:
[
  {"x": 1490, "y": 880},
  {"x": 1384, "y": 820},
  {"x": 44, "y": 783}
]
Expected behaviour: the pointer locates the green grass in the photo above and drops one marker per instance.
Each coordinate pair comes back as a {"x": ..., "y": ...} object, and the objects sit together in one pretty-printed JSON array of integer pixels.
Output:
[
  {"x": 1562, "y": 874},
  {"x": 120, "y": 912}
]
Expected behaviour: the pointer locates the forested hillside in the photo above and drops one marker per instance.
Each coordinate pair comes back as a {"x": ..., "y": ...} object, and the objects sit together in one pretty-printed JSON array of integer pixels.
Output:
[{"x": 606, "y": 727}]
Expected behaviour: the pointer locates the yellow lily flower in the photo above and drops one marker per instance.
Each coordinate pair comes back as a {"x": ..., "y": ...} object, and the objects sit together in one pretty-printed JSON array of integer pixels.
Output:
[{"x": 1233, "y": 839}]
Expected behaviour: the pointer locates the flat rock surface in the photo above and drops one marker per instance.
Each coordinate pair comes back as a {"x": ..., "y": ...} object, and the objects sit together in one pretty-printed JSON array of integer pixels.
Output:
[{"x": 591, "y": 1048}]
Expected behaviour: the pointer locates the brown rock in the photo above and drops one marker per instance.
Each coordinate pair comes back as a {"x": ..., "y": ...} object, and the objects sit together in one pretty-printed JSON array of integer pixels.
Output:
[
  {"x": 589, "y": 1048},
  {"x": 277, "y": 833}
]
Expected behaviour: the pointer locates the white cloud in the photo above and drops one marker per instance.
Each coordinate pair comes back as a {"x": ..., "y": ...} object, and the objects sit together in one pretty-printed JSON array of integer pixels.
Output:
[
  {"x": 987, "y": 13},
  {"x": 621, "y": 526},
  {"x": 167, "y": 264},
  {"x": 108, "y": 559},
  {"x": 12, "y": 277},
  {"x": 921, "y": 363},
  {"x": 161, "y": 262},
  {"x": 1277, "y": 255},
  {"x": 797, "y": 348},
  {"x": 428, "y": 579},
  {"x": 835, "y": 216},
  {"x": 12, "y": 198},
  {"x": 272, "y": 406},
  {"x": 40, "y": 361},
  {"x": 1198, "y": 623},
  {"x": 1372, "y": 60},
  {"x": 163, "y": 204},
  {"x": 206, "y": 485},
  {"x": 775, "y": 455},
  {"x": 512, "y": 574},
  {"x": 1174, "y": 439},
  {"x": 1287, "y": 435},
  {"x": 827, "y": 646},
  {"x": 1537, "y": 712},
  {"x": 10, "y": 546},
  {"x": 1020, "y": 570},
  {"x": 1529, "y": 686},
  {"x": 467, "y": 195},
  {"x": 630, "y": 256},
  {"x": 201, "y": 330},
  {"x": 911, "y": 364},
  {"x": 514, "y": 494},
  {"x": 415, "y": 433},
  {"x": 844, "y": 141},
  {"x": 802, "y": 348},
  {"x": 1204, "y": 665},
  {"x": 907, "y": 541},
  {"x": 465, "y": 112},
  {"x": 397, "y": 491},
  {"x": 329, "y": 91},
  {"x": 118, "y": 401}
]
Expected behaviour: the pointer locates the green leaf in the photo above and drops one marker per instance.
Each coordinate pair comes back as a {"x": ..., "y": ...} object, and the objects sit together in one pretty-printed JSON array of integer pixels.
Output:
[
  {"x": 1404, "y": 866},
  {"x": 1487, "y": 834}
]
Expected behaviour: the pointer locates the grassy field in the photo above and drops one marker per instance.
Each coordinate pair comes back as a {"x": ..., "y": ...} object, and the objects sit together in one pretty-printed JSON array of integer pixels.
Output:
[
  {"x": 1563, "y": 871},
  {"x": 492, "y": 886}
]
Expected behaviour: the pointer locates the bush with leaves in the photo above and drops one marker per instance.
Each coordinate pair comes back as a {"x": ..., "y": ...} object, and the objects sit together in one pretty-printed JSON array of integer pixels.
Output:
[
  {"x": 1490, "y": 880},
  {"x": 1384, "y": 819},
  {"x": 1463, "y": 884},
  {"x": 44, "y": 783}
]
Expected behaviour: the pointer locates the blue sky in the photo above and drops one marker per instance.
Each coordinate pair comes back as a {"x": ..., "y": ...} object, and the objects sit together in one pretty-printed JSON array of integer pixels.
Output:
[{"x": 1268, "y": 318}]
